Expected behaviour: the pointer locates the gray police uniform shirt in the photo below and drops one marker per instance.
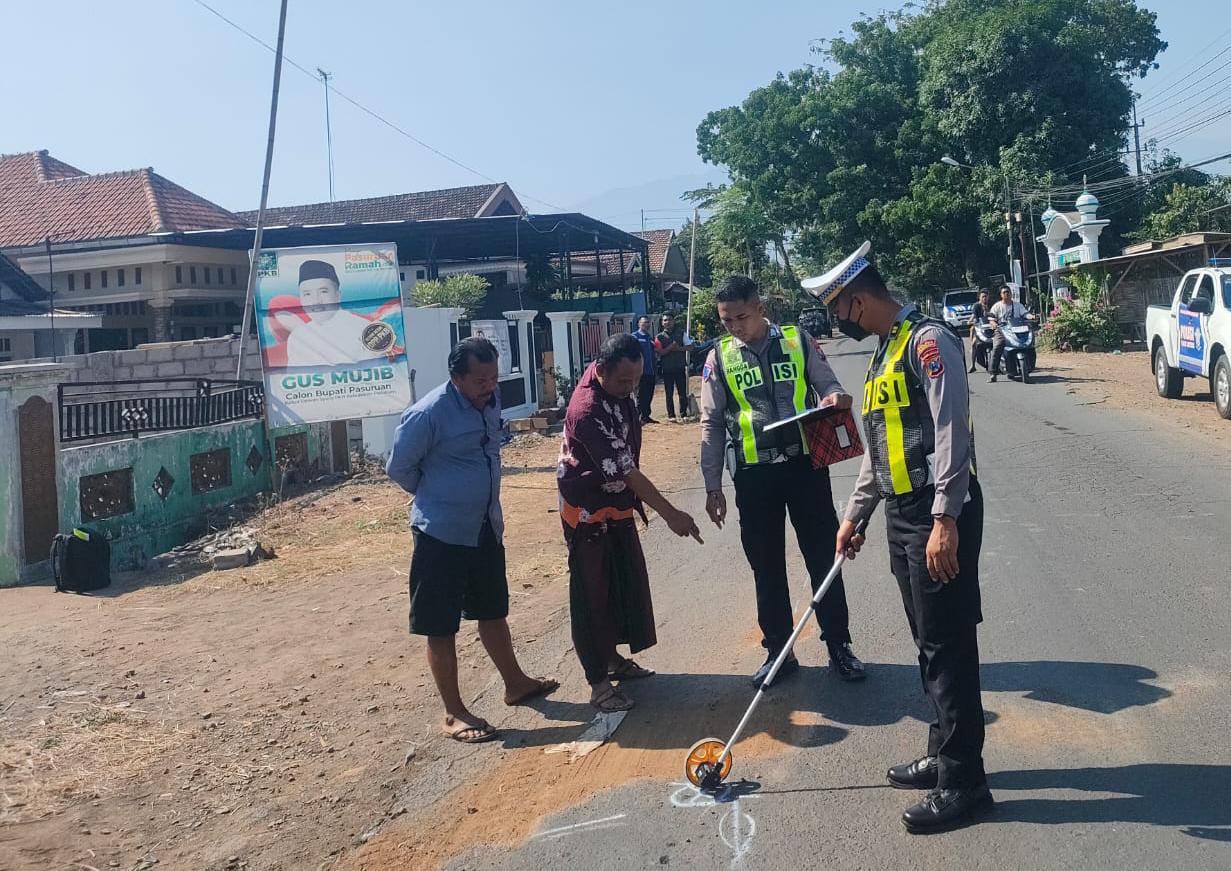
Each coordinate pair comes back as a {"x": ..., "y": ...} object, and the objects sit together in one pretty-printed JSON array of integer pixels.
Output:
[
  {"x": 948, "y": 397},
  {"x": 821, "y": 378}
]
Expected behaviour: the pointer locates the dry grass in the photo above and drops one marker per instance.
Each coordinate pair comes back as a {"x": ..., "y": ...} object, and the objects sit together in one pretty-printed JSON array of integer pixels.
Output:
[{"x": 82, "y": 754}]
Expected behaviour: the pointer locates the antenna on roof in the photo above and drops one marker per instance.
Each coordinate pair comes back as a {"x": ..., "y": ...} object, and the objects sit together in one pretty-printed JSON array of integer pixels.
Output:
[{"x": 325, "y": 77}]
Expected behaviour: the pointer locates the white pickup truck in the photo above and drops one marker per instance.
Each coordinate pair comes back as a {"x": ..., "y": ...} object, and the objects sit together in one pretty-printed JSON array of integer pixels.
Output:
[{"x": 1191, "y": 338}]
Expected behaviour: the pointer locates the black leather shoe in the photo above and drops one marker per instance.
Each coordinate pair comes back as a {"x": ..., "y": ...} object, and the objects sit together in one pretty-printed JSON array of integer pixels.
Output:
[
  {"x": 920, "y": 774},
  {"x": 944, "y": 809},
  {"x": 845, "y": 663},
  {"x": 790, "y": 665}
]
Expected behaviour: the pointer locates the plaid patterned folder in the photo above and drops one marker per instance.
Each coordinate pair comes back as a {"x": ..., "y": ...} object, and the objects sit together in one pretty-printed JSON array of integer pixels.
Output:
[{"x": 833, "y": 438}]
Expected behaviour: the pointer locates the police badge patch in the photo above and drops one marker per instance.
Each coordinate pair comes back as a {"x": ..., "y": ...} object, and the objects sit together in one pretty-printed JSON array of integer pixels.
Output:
[
  {"x": 707, "y": 372},
  {"x": 929, "y": 356}
]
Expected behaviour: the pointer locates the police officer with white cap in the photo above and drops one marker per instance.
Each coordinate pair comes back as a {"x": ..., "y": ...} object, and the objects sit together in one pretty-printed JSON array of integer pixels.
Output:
[{"x": 921, "y": 463}]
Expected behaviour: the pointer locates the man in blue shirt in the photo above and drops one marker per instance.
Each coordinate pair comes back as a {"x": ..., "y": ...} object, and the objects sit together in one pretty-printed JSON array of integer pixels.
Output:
[
  {"x": 446, "y": 453},
  {"x": 649, "y": 359}
]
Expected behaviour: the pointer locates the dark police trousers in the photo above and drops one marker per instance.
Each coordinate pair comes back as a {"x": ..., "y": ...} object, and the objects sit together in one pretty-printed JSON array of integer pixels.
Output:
[
  {"x": 764, "y": 495},
  {"x": 645, "y": 395},
  {"x": 944, "y": 621}
]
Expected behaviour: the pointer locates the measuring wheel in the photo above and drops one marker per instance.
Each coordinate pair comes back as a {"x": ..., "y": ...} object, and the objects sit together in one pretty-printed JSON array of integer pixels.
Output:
[{"x": 701, "y": 766}]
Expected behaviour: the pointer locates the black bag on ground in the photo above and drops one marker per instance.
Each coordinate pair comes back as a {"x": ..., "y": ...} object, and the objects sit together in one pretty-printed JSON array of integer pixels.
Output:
[{"x": 81, "y": 562}]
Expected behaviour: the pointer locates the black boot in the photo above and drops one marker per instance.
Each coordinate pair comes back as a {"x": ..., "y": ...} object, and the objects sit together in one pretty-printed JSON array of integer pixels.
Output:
[
  {"x": 844, "y": 662},
  {"x": 944, "y": 809},
  {"x": 920, "y": 774},
  {"x": 790, "y": 665}
]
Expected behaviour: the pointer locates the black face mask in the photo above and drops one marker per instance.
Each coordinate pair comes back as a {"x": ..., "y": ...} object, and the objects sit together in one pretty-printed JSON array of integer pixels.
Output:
[{"x": 851, "y": 329}]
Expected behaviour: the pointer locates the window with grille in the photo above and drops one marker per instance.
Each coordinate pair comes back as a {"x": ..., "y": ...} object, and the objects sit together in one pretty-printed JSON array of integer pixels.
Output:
[
  {"x": 210, "y": 470},
  {"x": 109, "y": 494}
]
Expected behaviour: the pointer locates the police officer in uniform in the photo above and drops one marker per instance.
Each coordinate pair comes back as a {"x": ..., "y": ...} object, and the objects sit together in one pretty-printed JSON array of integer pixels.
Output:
[
  {"x": 921, "y": 463},
  {"x": 757, "y": 374}
]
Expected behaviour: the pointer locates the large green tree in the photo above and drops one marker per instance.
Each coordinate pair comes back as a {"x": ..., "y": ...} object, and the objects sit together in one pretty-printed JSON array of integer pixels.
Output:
[
  {"x": 1035, "y": 91},
  {"x": 1189, "y": 208}
]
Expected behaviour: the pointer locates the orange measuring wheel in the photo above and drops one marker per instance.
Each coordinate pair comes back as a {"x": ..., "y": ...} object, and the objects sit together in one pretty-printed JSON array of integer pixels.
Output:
[{"x": 700, "y": 766}]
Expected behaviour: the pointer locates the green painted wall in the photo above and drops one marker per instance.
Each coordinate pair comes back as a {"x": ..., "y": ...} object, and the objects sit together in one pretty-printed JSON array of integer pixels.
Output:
[{"x": 156, "y": 524}]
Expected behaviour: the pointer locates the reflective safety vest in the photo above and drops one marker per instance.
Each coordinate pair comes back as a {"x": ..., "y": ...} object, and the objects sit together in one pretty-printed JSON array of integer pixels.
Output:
[
  {"x": 893, "y": 408},
  {"x": 761, "y": 393}
]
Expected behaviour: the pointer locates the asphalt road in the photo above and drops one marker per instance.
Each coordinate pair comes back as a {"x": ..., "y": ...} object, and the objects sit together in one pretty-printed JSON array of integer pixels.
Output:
[{"x": 1106, "y": 653}]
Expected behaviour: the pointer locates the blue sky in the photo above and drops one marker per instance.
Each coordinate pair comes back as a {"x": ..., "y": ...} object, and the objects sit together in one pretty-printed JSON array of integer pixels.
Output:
[{"x": 579, "y": 105}]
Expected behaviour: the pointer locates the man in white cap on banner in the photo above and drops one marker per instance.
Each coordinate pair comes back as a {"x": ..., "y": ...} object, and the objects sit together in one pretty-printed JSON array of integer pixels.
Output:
[{"x": 921, "y": 462}]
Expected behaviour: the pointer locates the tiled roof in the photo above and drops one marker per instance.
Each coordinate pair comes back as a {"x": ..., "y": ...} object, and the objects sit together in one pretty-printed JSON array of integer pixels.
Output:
[
  {"x": 660, "y": 244},
  {"x": 12, "y": 277},
  {"x": 464, "y": 202},
  {"x": 41, "y": 196}
]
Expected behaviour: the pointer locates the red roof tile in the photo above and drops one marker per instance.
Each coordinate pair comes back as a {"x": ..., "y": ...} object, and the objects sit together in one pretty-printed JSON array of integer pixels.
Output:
[
  {"x": 463, "y": 202},
  {"x": 660, "y": 244},
  {"x": 41, "y": 196}
]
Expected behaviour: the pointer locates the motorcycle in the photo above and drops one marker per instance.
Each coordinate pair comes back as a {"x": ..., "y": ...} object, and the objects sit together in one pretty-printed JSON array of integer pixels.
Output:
[
  {"x": 1019, "y": 353},
  {"x": 982, "y": 352}
]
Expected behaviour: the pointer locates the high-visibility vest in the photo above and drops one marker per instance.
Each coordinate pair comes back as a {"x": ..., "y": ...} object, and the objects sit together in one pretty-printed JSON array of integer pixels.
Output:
[
  {"x": 762, "y": 394},
  {"x": 896, "y": 415}
]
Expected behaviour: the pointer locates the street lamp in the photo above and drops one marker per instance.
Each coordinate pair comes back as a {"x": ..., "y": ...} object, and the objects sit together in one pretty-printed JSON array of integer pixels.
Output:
[{"x": 1008, "y": 224}]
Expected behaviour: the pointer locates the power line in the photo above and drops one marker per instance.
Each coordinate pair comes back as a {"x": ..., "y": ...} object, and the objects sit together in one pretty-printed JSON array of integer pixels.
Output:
[
  {"x": 367, "y": 111},
  {"x": 1167, "y": 83}
]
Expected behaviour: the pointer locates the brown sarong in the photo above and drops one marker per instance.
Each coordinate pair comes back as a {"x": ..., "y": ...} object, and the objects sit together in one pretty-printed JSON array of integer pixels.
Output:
[{"x": 609, "y": 593}]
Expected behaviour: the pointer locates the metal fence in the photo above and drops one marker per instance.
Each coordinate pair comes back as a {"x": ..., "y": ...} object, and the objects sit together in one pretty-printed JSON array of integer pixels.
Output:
[{"x": 116, "y": 409}]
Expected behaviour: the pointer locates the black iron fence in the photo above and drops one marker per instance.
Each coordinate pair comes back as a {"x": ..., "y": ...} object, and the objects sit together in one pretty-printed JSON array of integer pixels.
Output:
[{"x": 114, "y": 409}]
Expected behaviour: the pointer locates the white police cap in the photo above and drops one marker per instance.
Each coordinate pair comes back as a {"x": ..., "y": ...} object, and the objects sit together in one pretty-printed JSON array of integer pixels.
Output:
[{"x": 827, "y": 287}]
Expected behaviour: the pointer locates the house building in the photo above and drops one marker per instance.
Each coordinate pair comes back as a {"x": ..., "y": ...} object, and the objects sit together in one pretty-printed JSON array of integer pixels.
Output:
[
  {"x": 29, "y": 326},
  {"x": 109, "y": 251}
]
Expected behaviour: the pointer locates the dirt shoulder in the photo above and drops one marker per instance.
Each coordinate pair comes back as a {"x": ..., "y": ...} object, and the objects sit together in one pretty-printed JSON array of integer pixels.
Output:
[
  {"x": 260, "y": 717},
  {"x": 1125, "y": 381}
]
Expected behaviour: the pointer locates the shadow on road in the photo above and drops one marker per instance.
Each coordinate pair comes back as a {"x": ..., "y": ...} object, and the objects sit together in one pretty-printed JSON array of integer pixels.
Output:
[
  {"x": 1196, "y": 797},
  {"x": 811, "y": 708}
]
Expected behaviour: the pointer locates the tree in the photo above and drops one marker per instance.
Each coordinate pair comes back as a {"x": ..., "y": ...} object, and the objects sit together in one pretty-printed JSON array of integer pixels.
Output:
[
  {"x": 463, "y": 290},
  {"x": 1188, "y": 208},
  {"x": 833, "y": 156}
]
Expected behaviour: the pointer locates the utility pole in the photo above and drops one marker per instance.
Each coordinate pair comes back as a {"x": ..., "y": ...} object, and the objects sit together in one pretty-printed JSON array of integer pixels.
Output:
[
  {"x": 325, "y": 77},
  {"x": 1021, "y": 235},
  {"x": 255, "y": 257},
  {"x": 692, "y": 270},
  {"x": 1008, "y": 220},
  {"x": 1137, "y": 125},
  {"x": 643, "y": 220}
]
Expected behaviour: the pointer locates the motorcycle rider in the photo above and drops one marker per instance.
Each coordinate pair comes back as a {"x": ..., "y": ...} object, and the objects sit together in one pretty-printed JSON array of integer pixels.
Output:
[
  {"x": 980, "y": 315},
  {"x": 1001, "y": 315}
]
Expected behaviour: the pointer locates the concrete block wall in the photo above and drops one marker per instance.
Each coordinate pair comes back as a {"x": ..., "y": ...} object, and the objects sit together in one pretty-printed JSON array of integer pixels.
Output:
[{"x": 200, "y": 358}]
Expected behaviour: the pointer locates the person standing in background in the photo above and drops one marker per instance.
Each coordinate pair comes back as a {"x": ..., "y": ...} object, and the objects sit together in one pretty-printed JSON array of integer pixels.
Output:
[
  {"x": 673, "y": 360},
  {"x": 649, "y": 360}
]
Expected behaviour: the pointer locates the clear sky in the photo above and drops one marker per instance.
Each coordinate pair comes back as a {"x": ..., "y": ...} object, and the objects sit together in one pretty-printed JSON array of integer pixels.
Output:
[{"x": 578, "y": 105}]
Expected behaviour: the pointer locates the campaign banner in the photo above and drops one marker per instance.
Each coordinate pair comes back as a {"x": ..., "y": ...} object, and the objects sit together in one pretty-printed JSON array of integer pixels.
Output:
[
  {"x": 333, "y": 344},
  {"x": 496, "y": 332}
]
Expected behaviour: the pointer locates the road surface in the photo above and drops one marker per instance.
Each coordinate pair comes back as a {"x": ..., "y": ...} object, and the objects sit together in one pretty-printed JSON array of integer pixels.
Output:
[{"x": 1106, "y": 652}]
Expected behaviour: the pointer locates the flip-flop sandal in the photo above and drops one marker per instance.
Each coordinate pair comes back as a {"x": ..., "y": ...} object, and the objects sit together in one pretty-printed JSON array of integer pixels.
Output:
[
  {"x": 471, "y": 734},
  {"x": 612, "y": 701},
  {"x": 629, "y": 670},
  {"x": 545, "y": 687}
]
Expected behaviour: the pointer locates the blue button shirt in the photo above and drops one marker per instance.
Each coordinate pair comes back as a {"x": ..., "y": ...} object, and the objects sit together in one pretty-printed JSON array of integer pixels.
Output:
[
  {"x": 447, "y": 453},
  {"x": 647, "y": 351}
]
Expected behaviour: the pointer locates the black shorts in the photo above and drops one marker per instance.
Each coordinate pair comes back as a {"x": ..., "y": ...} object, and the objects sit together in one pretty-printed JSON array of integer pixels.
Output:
[{"x": 449, "y": 582}]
